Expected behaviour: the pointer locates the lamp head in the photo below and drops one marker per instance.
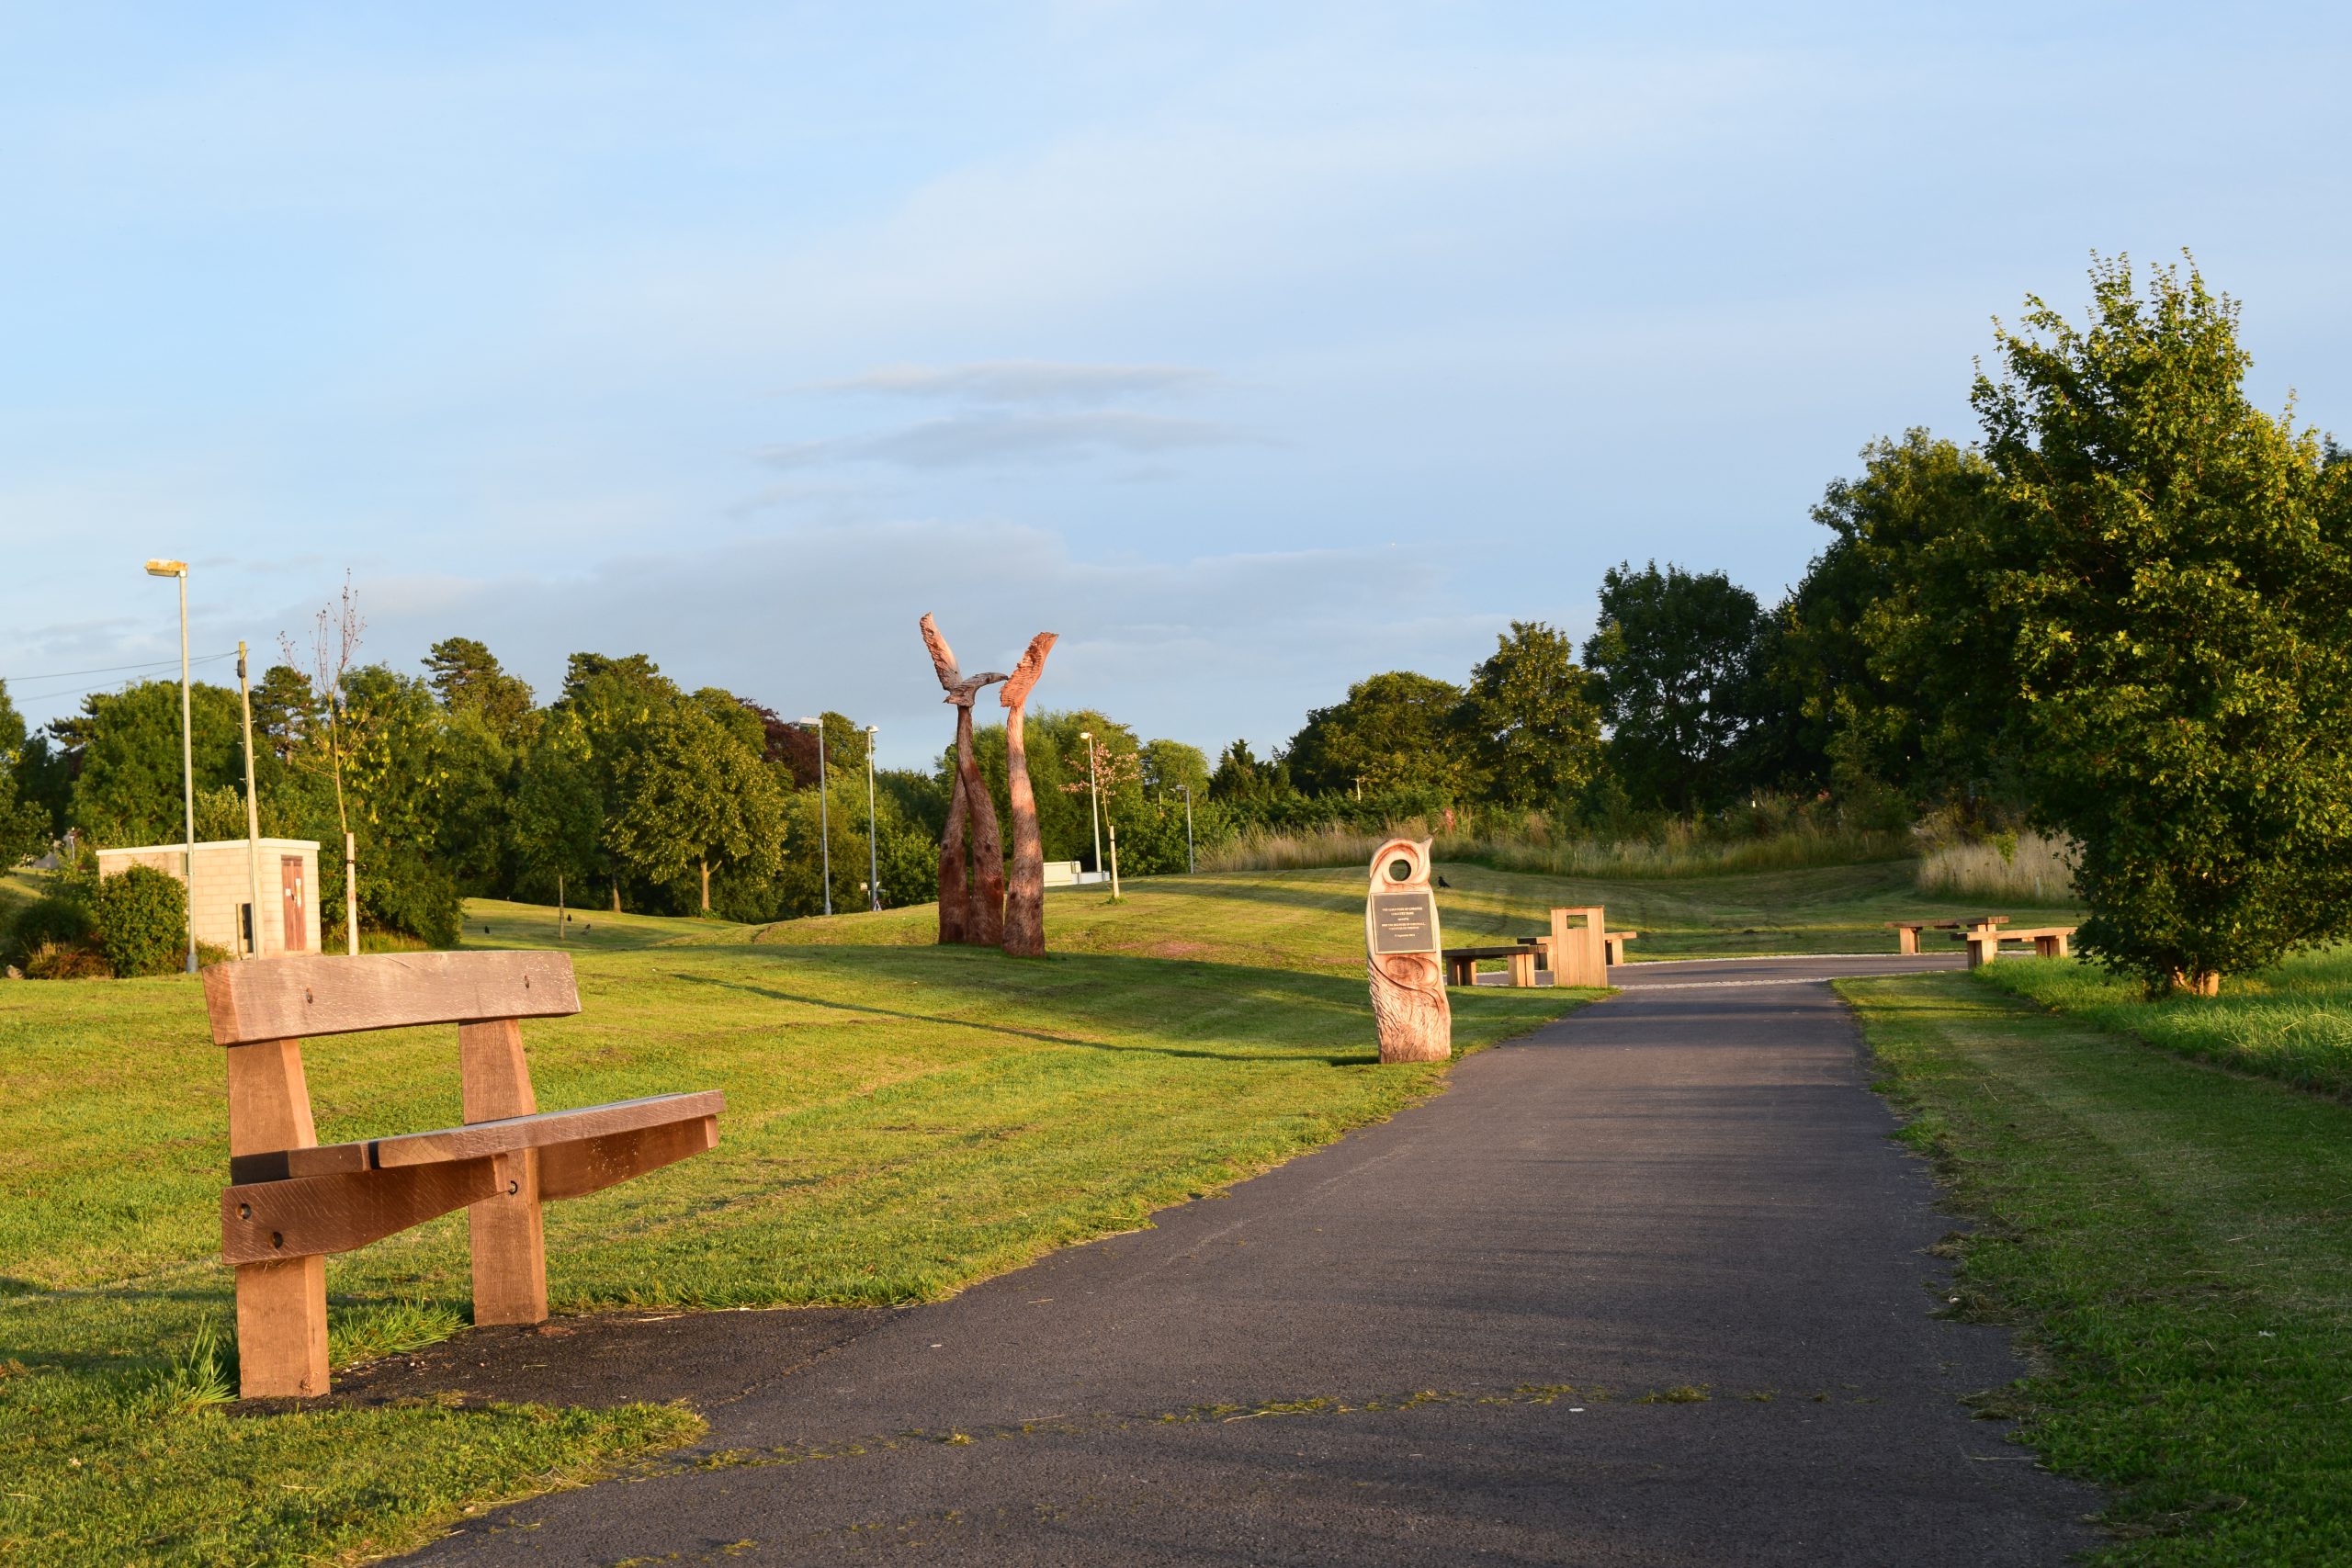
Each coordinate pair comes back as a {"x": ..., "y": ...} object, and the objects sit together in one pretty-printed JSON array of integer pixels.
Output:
[
  {"x": 167, "y": 568},
  {"x": 807, "y": 723},
  {"x": 1086, "y": 735}
]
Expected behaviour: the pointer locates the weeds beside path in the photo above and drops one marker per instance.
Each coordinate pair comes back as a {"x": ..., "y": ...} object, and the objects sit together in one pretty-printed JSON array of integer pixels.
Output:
[{"x": 2177, "y": 1244}]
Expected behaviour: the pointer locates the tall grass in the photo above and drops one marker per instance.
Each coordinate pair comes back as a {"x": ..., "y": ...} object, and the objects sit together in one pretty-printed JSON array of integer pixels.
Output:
[
  {"x": 1681, "y": 848},
  {"x": 2032, "y": 867}
]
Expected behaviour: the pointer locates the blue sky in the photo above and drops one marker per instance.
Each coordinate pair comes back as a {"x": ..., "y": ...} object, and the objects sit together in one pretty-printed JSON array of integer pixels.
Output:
[{"x": 1252, "y": 347}]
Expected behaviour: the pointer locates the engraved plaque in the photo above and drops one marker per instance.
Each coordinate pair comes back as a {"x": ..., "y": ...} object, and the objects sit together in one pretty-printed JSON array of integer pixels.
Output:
[{"x": 1404, "y": 922}]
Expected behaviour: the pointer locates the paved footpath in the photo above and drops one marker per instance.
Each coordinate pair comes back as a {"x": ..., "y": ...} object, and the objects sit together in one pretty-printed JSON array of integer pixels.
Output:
[{"x": 1395, "y": 1350}]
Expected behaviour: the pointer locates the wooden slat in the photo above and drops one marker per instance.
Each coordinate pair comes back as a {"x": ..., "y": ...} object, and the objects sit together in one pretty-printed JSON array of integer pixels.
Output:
[
  {"x": 306, "y": 996},
  {"x": 508, "y": 1237},
  {"x": 268, "y": 1222},
  {"x": 545, "y": 1130},
  {"x": 574, "y": 1170}
]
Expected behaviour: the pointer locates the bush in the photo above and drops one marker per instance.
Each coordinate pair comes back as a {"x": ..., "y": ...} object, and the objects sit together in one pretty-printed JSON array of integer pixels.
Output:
[
  {"x": 67, "y": 960},
  {"x": 141, "y": 918},
  {"x": 50, "y": 920}
]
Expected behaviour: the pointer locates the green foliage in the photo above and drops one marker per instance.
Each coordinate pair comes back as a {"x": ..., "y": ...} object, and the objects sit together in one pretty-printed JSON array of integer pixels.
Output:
[
  {"x": 128, "y": 787},
  {"x": 52, "y": 920},
  {"x": 1171, "y": 767},
  {"x": 2162, "y": 606},
  {"x": 558, "y": 815},
  {"x": 1863, "y": 677},
  {"x": 1675, "y": 655},
  {"x": 1397, "y": 730},
  {"x": 695, "y": 794},
  {"x": 138, "y": 916},
  {"x": 1535, "y": 720},
  {"x": 468, "y": 679}
]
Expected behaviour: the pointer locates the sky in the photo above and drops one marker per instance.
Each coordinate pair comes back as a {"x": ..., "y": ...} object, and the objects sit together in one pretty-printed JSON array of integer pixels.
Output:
[{"x": 1253, "y": 349}]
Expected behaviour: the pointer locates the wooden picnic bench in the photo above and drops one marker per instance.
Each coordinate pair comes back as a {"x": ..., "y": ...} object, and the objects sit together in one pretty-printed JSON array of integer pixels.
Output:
[
  {"x": 1462, "y": 963},
  {"x": 1615, "y": 941},
  {"x": 292, "y": 1201},
  {"x": 1985, "y": 941},
  {"x": 1906, "y": 933}
]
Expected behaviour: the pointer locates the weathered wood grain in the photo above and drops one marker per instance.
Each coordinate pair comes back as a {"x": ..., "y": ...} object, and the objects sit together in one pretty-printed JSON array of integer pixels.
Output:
[
  {"x": 1024, "y": 903},
  {"x": 591, "y": 1165},
  {"x": 307, "y": 1216},
  {"x": 307, "y": 997},
  {"x": 1409, "y": 1010}
]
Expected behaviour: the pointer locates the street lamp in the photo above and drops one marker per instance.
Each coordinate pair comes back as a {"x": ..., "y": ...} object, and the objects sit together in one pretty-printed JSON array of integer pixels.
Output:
[
  {"x": 873, "y": 853},
  {"x": 187, "y": 749},
  {"x": 1188, "y": 829},
  {"x": 824, "y": 824},
  {"x": 1093, "y": 797}
]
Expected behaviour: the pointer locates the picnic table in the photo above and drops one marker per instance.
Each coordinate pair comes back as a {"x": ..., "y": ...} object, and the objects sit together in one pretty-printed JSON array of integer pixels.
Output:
[
  {"x": 1906, "y": 933},
  {"x": 1462, "y": 963}
]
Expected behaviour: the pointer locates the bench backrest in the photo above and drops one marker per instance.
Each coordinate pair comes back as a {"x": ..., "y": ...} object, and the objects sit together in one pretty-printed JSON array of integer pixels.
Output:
[{"x": 297, "y": 998}]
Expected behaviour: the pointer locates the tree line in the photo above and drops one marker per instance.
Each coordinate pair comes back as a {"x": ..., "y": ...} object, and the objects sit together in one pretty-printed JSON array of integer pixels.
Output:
[{"x": 2122, "y": 613}]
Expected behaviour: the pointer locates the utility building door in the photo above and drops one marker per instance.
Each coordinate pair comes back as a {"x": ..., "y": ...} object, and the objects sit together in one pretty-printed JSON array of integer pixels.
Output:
[{"x": 298, "y": 913}]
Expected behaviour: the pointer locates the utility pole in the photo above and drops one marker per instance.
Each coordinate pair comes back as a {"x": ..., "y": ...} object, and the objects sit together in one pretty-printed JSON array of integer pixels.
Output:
[
  {"x": 1188, "y": 830},
  {"x": 253, "y": 811},
  {"x": 187, "y": 749},
  {"x": 872, "y": 851},
  {"x": 824, "y": 828}
]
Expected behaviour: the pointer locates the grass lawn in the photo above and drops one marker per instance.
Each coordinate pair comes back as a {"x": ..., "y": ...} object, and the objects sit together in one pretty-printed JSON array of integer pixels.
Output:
[
  {"x": 2176, "y": 1242},
  {"x": 2292, "y": 1022},
  {"x": 902, "y": 1121},
  {"x": 1280, "y": 917}
]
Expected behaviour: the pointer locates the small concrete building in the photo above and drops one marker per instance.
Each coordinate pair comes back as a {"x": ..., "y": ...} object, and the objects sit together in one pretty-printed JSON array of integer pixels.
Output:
[{"x": 289, "y": 879}]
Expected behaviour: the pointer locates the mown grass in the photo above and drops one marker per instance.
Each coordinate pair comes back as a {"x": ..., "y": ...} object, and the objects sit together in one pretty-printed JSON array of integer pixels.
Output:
[
  {"x": 902, "y": 1121},
  {"x": 2174, "y": 1243},
  {"x": 1283, "y": 917},
  {"x": 2293, "y": 1022}
]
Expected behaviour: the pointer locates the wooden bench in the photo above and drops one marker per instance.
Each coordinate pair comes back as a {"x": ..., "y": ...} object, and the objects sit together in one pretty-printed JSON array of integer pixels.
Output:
[
  {"x": 1985, "y": 941},
  {"x": 291, "y": 1201},
  {"x": 1616, "y": 941},
  {"x": 1906, "y": 933},
  {"x": 1462, "y": 963}
]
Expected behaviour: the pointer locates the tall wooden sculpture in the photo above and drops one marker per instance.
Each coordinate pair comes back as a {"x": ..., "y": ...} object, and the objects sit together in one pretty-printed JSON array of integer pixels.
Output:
[
  {"x": 971, "y": 905},
  {"x": 1403, "y": 955},
  {"x": 1024, "y": 907}
]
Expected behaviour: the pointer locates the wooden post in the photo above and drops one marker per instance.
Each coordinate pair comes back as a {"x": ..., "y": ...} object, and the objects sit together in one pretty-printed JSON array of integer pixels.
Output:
[
  {"x": 509, "y": 1241},
  {"x": 1579, "y": 955},
  {"x": 971, "y": 910},
  {"x": 1024, "y": 902},
  {"x": 1404, "y": 956},
  {"x": 281, "y": 1306},
  {"x": 1907, "y": 940}
]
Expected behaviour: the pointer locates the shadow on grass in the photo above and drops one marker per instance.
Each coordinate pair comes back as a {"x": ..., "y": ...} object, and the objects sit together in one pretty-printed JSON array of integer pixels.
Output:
[{"x": 1045, "y": 1037}]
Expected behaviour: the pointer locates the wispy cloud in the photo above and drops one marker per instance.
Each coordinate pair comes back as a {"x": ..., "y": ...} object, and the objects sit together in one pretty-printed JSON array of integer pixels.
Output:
[
  {"x": 971, "y": 440},
  {"x": 1031, "y": 382}
]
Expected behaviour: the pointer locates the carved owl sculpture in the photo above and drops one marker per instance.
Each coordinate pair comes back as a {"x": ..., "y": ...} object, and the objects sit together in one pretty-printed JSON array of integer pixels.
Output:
[{"x": 1402, "y": 956}]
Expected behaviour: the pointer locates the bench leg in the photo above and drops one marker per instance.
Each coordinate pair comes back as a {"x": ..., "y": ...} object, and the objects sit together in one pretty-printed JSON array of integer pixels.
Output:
[
  {"x": 510, "y": 1250},
  {"x": 1522, "y": 969},
  {"x": 282, "y": 1329},
  {"x": 1906, "y": 941}
]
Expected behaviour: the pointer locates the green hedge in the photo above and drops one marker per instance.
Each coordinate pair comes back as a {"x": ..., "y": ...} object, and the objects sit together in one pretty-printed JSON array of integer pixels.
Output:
[{"x": 141, "y": 915}]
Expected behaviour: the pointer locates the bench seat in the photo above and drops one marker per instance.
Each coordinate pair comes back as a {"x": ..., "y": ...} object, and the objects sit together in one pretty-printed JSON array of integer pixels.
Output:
[{"x": 476, "y": 1139}]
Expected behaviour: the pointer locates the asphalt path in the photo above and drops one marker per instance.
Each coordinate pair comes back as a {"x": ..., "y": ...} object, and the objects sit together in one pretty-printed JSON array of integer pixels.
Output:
[{"x": 1648, "y": 1286}]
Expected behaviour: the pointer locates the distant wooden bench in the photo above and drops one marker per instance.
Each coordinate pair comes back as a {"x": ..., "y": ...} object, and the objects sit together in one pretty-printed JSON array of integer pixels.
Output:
[
  {"x": 1614, "y": 945},
  {"x": 290, "y": 1200},
  {"x": 1906, "y": 933},
  {"x": 1462, "y": 963},
  {"x": 1985, "y": 941}
]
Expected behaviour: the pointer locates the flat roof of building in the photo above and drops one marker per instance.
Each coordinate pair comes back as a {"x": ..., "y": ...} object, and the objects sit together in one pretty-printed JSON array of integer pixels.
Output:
[{"x": 180, "y": 847}]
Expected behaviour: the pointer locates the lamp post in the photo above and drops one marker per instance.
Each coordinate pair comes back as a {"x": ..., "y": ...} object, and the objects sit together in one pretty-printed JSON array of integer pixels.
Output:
[
  {"x": 188, "y": 748},
  {"x": 1188, "y": 829},
  {"x": 873, "y": 848},
  {"x": 1093, "y": 797},
  {"x": 824, "y": 821}
]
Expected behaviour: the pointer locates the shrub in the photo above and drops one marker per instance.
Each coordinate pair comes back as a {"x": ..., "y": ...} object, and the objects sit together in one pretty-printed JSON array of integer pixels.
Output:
[
  {"x": 48, "y": 920},
  {"x": 67, "y": 960},
  {"x": 141, "y": 916}
]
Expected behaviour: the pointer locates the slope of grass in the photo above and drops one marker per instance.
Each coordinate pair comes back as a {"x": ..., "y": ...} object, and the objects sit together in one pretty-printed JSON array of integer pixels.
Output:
[
  {"x": 2292, "y": 1022},
  {"x": 1313, "y": 920},
  {"x": 2174, "y": 1243},
  {"x": 902, "y": 1121}
]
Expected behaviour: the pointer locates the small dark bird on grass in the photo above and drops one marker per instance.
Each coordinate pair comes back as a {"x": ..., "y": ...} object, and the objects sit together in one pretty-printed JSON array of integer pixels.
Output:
[{"x": 1442, "y": 882}]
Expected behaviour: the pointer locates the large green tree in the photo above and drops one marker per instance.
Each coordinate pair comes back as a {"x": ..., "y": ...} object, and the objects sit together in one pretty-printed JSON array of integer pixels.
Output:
[
  {"x": 1395, "y": 732},
  {"x": 467, "y": 678},
  {"x": 128, "y": 787},
  {"x": 2162, "y": 620},
  {"x": 1676, "y": 654},
  {"x": 693, "y": 795},
  {"x": 1535, "y": 720},
  {"x": 24, "y": 822}
]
